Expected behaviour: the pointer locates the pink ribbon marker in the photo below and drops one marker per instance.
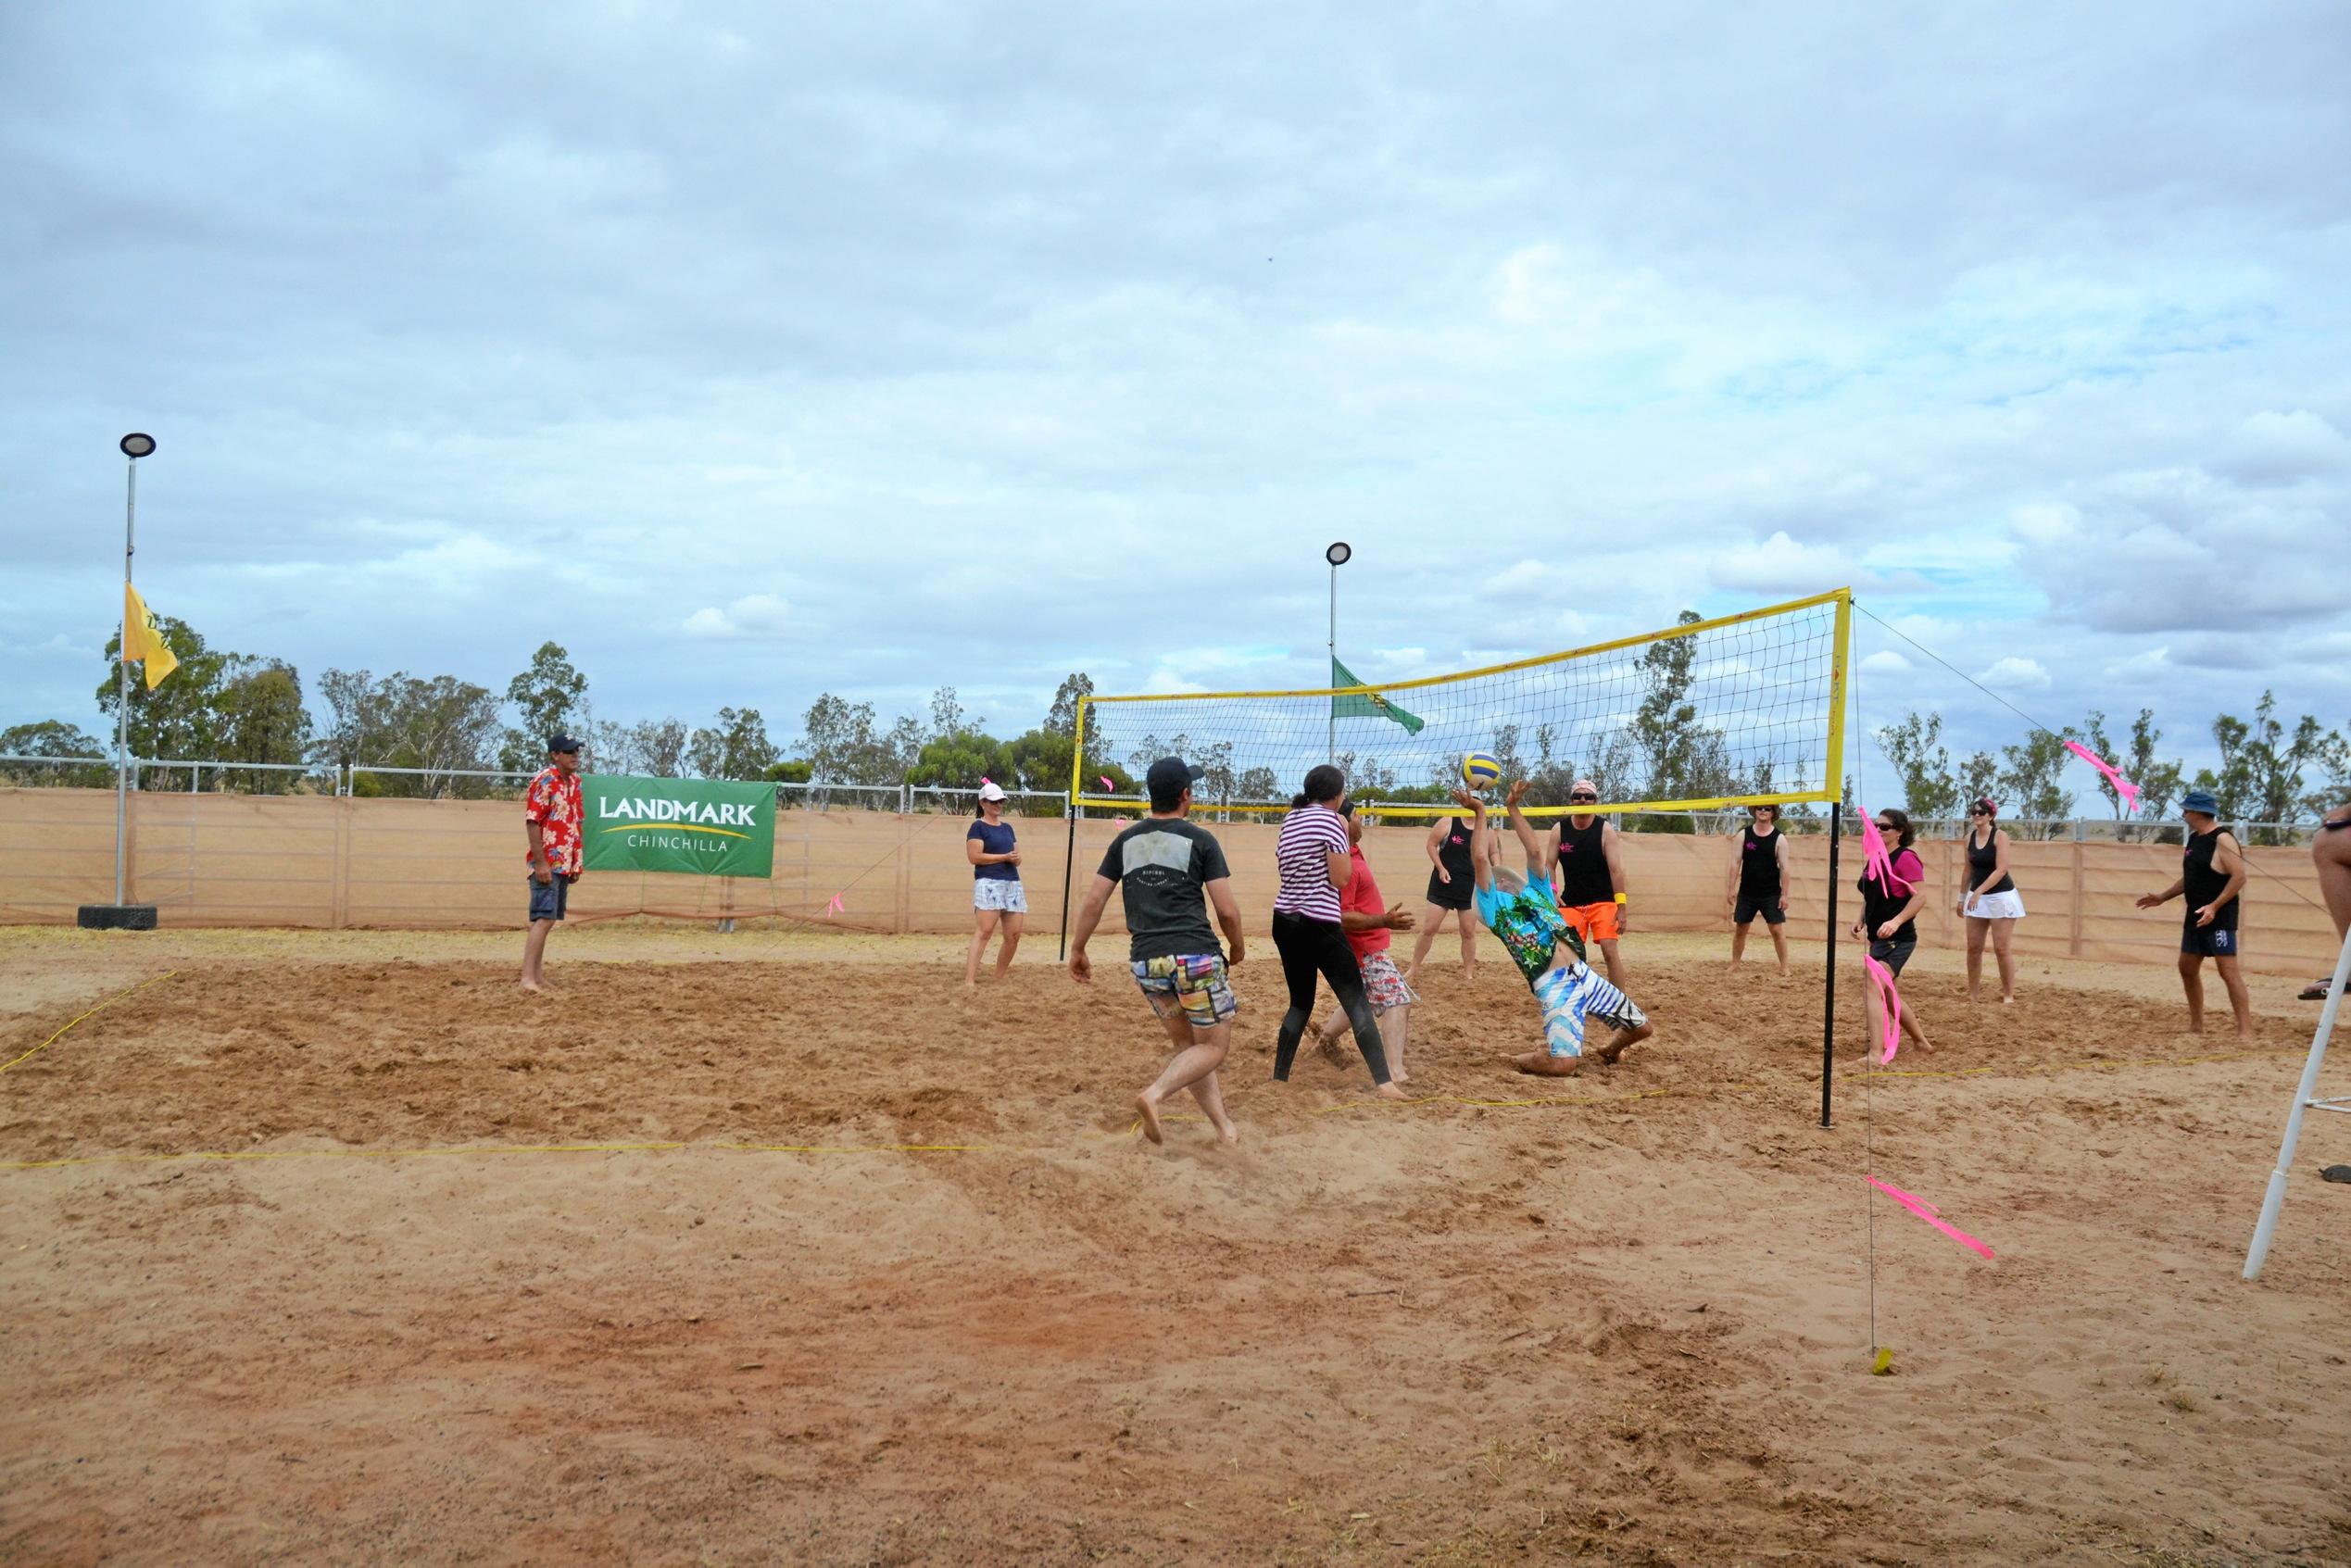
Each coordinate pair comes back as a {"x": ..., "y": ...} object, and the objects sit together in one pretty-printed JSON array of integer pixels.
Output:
[
  {"x": 2122, "y": 786},
  {"x": 1108, "y": 785},
  {"x": 1882, "y": 977},
  {"x": 1928, "y": 1212},
  {"x": 1878, "y": 863},
  {"x": 834, "y": 907}
]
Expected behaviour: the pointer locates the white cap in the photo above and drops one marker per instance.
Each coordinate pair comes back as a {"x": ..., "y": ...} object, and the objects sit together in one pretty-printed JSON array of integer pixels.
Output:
[{"x": 991, "y": 790}]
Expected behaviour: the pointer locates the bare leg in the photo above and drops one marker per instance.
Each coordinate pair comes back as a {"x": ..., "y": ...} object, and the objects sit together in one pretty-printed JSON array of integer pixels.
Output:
[
  {"x": 1011, "y": 943},
  {"x": 1210, "y": 1096},
  {"x": 2240, "y": 999},
  {"x": 1395, "y": 1024},
  {"x": 1469, "y": 924},
  {"x": 2003, "y": 931},
  {"x": 534, "y": 954},
  {"x": 1327, "y": 1035},
  {"x": 1976, "y": 929},
  {"x": 983, "y": 927},
  {"x": 1780, "y": 948},
  {"x": 1910, "y": 1028},
  {"x": 2330, "y": 854},
  {"x": 1199, "y": 1053},
  {"x": 2192, "y": 982},
  {"x": 1616, "y": 969},
  {"x": 1738, "y": 944},
  {"x": 1432, "y": 917},
  {"x": 1622, "y": 1039}
]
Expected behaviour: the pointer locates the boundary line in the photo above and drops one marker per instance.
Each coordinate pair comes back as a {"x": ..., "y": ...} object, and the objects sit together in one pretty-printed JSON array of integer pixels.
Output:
[{"x": 92, "y": 1013}]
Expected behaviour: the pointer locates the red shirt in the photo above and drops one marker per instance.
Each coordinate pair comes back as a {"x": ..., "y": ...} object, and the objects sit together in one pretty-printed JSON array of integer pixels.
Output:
[
  {"x": 1361, "y": 896},
  {"x": 553, "y": 802}
]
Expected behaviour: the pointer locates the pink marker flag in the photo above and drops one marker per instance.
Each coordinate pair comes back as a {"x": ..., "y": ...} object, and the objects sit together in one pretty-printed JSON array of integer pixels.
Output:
[
  {"x": 2122, "y": 786},
  {"x": 1107, "y": 785},
  {"x": 834, "y": 907},
  {"x": 1878, "y": 863},
  {"x": 1882, "y": 977},
  {"x": 1929, "y": 1213}
]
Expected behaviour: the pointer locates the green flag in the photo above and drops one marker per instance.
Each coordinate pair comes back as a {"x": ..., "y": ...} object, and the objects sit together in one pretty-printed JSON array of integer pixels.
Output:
[
  {"x": 1365, "y": 704},
  {"x": 708, "y": 827}
]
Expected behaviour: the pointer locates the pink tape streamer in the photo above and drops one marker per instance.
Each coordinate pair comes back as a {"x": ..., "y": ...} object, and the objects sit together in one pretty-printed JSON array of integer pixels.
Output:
[
  {"x": 1883, "y": 979},
  {"x": 1928, "y": 1212},
  {"x": 1876, "y": 862},
  {"x": 2122, "y": 786},
  {"x": 835, "y": 907},
  {"x": 1106, "y": 782}
]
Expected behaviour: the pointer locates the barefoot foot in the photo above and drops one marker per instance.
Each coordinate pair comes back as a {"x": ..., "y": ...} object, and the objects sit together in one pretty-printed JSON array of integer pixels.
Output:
[
  {"x": 1389, "y": 1091},
  {"x": 1149, "y": 1110}
]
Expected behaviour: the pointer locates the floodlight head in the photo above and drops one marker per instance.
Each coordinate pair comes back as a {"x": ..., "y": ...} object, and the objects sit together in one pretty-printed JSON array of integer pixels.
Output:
[
  {"x": 137, "y": 445},
  {"x": 1337, "y": 554}
]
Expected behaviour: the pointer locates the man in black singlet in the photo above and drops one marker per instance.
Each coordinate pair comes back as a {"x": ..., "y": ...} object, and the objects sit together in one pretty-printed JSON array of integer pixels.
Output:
[
  {"x": 2211, "y": 876},
  {"x": 1587, "y": 877}
]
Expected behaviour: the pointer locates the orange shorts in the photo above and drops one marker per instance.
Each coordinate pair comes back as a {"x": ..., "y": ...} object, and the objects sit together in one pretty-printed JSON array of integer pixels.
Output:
[{"x": 1593, "y": 923}]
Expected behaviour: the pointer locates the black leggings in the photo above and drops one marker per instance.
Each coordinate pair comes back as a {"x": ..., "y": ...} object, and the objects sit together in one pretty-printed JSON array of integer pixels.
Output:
[{"x": 1310, "y": 947}]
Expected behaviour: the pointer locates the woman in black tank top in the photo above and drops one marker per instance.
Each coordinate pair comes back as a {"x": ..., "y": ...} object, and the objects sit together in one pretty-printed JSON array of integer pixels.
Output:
[
  {"x": 1453, "y": 889},
  {"x": 1758, "y": 885},
  {"x": 1989, "y": 899}
]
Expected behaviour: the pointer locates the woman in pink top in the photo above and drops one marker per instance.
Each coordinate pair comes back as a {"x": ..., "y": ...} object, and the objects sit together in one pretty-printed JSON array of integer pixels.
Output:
[{"x": 1367, "y": 923}]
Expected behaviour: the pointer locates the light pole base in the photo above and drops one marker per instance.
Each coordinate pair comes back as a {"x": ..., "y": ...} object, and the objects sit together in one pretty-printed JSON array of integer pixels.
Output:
[{"x": 116, "y": 917}]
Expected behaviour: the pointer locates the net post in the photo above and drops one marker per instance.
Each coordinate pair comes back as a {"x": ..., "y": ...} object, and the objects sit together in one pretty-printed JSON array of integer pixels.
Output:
[
  {"x": 1829, "y": 992},
  {"x": 1070, "y": 808}
]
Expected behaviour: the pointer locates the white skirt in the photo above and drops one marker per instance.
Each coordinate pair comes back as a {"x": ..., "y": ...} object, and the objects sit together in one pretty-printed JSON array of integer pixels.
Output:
[{"x": 1996, "y": 906}]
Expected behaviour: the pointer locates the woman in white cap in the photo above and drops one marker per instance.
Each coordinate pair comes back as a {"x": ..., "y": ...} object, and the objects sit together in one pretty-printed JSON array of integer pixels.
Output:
[
  {"x": 997, "y": 894},
  {"x": 1992, "y": 904}
]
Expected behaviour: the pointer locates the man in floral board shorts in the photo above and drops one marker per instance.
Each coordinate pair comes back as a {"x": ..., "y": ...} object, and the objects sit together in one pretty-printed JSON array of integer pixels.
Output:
[
  {"x": 1170, "y": 870},
  {"x": 1368, "y": 921},
  {"x": 551, "y": 819}
]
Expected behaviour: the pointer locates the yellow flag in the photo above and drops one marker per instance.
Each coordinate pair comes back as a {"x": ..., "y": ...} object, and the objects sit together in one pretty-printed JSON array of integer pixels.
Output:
[{"x": 141, "y": 641}]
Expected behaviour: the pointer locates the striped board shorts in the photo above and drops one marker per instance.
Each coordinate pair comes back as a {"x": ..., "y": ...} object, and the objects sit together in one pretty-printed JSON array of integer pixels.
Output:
[{"x": 1574, "y": 993}]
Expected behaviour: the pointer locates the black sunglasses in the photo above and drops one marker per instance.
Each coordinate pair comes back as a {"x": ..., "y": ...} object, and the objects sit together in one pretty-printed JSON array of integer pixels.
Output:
[{"x": 1583, "y": 798}]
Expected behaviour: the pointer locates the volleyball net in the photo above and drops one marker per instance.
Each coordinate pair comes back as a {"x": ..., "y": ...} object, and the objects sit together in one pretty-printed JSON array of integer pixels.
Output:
[{"x": 1740, "y": 709}]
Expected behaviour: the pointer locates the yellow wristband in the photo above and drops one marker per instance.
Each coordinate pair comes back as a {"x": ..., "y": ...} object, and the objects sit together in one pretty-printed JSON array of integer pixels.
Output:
[{"x": 1620, "y": 897}]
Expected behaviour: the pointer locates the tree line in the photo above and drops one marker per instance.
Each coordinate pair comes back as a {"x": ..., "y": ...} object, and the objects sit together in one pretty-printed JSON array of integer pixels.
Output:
[{"x": 246, "y": 719}]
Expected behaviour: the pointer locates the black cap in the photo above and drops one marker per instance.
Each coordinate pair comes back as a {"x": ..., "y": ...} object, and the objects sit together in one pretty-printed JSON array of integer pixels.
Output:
[
  {"x": 561, "y": 742},
  {"x": 1170, "y": 776}
]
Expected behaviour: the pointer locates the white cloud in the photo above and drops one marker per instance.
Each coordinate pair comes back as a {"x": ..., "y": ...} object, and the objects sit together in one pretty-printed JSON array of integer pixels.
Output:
[
  {"x": 754, "y": 615},
  {"x": 1885, "y": 662},
  {"x": 1528, "y": 580},
  {"x": 2015, "y": 675},
  {"x": 1779, "y": 565},
  {"x": 2272, "y": 449}
]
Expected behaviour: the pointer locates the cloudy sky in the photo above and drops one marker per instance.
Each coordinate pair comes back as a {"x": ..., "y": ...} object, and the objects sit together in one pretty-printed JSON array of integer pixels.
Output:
[{"x": 753, "y": 352}]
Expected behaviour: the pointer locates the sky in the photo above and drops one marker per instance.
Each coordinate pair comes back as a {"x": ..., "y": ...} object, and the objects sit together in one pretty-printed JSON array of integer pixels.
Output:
[{"x": 751, "y": 352}]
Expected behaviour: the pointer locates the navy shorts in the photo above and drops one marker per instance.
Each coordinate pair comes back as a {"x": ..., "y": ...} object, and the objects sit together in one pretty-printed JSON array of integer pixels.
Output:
[
  {"x": 1748, "y": 908},
  {"x": 2208, "y": 941},
  {"x": 1894, "y": 955},
  {"x": 548, "y": 902}
]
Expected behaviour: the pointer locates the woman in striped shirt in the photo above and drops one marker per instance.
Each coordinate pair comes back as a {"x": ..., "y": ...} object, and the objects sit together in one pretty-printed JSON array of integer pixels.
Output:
[{"x": 1311, "y": 855}]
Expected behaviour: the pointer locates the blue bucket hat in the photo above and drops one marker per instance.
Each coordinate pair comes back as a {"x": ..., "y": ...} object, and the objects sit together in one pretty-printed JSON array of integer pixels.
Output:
[{"x": 2200, "y": 802}]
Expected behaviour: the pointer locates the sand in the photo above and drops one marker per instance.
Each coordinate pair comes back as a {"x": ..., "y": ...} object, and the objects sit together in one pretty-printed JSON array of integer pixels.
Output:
[{"x": 1629, "y": 1322}]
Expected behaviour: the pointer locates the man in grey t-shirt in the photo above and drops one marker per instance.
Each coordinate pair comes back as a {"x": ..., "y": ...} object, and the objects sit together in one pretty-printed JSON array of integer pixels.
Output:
[{"x": 1167, "y": 866}]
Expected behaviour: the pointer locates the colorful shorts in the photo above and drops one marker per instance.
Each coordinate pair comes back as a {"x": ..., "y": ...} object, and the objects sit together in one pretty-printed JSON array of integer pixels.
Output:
[
  {"x": 1384, "y": 984},
  {"x": 1595, "y": 922},
  {"x": 1574, "y": 993},
  {"x": 1001, "y": 893},
  {"x": 1192, "y": 985}
]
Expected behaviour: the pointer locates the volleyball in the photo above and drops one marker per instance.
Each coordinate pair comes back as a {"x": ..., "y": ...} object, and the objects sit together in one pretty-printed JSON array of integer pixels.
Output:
[{"x": 1479, "y": 770}]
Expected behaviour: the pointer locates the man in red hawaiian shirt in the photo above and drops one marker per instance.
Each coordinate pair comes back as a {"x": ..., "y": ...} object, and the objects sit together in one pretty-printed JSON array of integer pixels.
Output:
[{"x": 551, "y": 819}]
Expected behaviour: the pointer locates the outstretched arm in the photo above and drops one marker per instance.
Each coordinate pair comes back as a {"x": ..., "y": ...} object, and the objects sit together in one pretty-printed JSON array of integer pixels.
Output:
[
  {"x": 1481, "y": 859},
  {"x": 1089, "y": 915},
  {"x": 1525, "y": 829}
]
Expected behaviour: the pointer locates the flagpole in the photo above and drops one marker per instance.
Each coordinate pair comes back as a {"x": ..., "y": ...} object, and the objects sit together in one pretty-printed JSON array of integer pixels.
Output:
[
  {"x": 122, "y": 665},
  {"x": 1336, "y": 554}
]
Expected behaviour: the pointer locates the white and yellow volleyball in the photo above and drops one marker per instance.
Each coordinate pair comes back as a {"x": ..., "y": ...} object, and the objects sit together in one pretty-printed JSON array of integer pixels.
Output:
[{"x": 1479, "y": 770}]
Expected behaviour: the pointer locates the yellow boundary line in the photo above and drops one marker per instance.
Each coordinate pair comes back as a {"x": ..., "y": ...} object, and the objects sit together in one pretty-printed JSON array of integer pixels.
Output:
[{"x": 92, "y": 1013}]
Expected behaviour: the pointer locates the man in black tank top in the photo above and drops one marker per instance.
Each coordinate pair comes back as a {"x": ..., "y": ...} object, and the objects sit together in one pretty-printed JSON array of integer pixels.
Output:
[
  {"x": 1759, "y": 885},
  {"x": 1587, "y": 877},
  {"x": 2212, "y": 873}
]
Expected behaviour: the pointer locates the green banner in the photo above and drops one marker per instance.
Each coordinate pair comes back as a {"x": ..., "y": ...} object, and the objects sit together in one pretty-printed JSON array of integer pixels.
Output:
[
  {"x": 707, "y": 826},
  {"x": 1366, "y": 704}
]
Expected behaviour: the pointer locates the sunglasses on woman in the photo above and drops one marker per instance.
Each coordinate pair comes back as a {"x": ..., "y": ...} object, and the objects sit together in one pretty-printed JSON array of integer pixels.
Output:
[{"x": 1583, "y": 798}]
